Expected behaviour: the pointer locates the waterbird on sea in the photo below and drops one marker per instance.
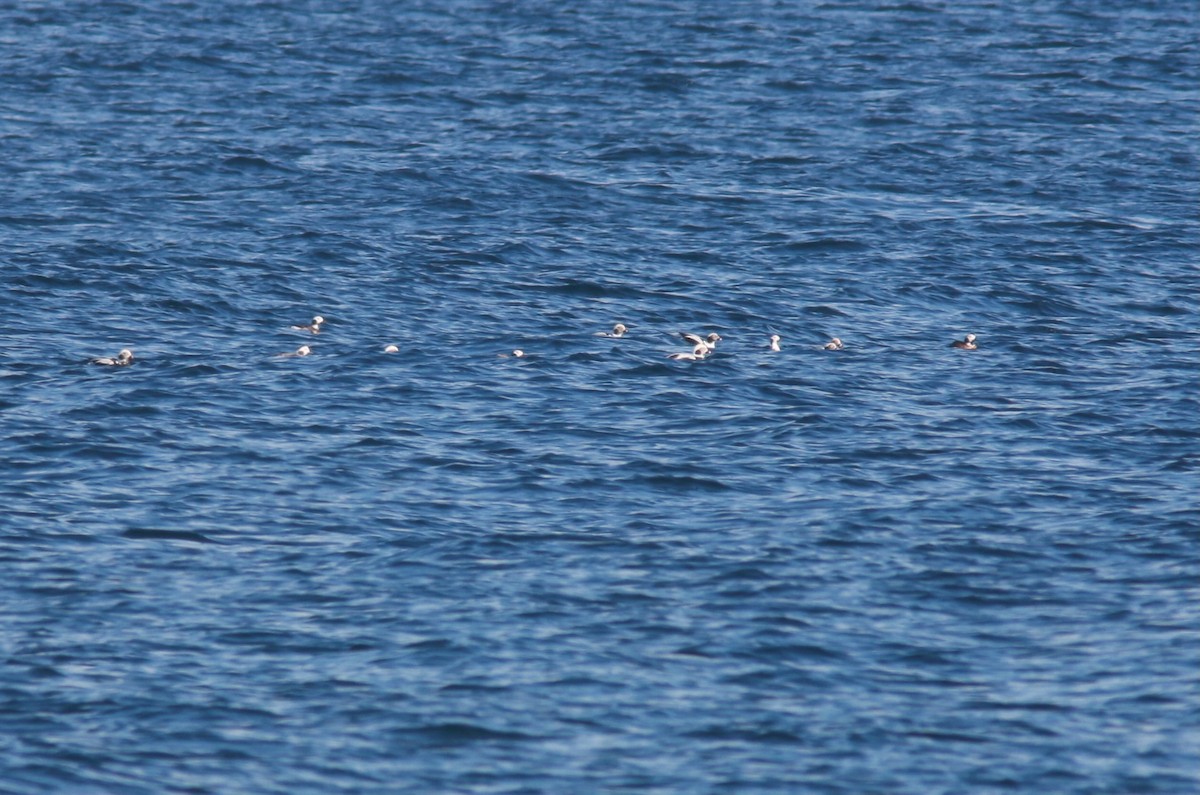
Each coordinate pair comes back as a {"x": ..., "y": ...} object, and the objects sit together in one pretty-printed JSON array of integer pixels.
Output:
[
  {"x": 314, "y": 327},
  {"x": 391, "y": 349},
  {"x": 834, "y": 344},
  {"x": 698, "y": 352},
  {"x": 303, "y": 350},
  {"x": 775, "y": 342},
  {"x": 617, "y": 331},
  {"x": 517, "y": 354},
  {"x": 708, "y": 343},
  {"x": 967, "y": 344},
  {"x": 120, "y": 360}
]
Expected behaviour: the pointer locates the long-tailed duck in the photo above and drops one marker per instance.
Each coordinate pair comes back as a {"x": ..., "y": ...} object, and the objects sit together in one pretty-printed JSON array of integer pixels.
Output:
[
  {"x": 314, "y": 327},
  {"x": 303, "y": 350},
  {"x": 391, "y": 349},
  {"x": 617, "y": 331},
  {"x": 708, "y": 343},
  {"x": 120, "y": 360},
  {"x": 698, "y": 352},
  {"x": 834, "y": 344},
  {"x": 967, "y": 344}
]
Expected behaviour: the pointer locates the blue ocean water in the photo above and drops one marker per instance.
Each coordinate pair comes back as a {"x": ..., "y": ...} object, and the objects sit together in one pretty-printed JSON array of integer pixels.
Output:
[{"x": 897, "y": 568}]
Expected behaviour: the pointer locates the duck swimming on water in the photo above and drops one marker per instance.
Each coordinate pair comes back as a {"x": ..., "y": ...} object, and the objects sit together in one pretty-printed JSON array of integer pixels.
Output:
[
  {"x": 967, "y": 344},
  {"x": 314, "y": 327},
  {"x": 617, "y": 332},
  {"x": 120, "y": 360},
  {"x": 698, "y": 353},
  {"x": 708, "y": 343}
]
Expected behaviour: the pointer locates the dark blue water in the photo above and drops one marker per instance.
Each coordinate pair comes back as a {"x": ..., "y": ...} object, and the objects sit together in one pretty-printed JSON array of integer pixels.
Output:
[{"x": 898, "y": 568}]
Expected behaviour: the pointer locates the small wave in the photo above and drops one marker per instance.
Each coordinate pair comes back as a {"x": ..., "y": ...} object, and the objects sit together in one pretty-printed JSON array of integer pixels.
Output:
[
  {"x": 167, "y": 535},
  {"x": 253, "y": 163}
]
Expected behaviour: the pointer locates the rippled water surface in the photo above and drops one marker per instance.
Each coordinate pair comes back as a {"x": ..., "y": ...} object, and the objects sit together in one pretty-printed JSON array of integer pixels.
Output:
[{"x": 896, "y": 568}]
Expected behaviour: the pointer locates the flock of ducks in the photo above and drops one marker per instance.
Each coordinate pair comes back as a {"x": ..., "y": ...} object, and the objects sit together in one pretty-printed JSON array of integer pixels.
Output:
[{"x": 701, "y": 346}]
